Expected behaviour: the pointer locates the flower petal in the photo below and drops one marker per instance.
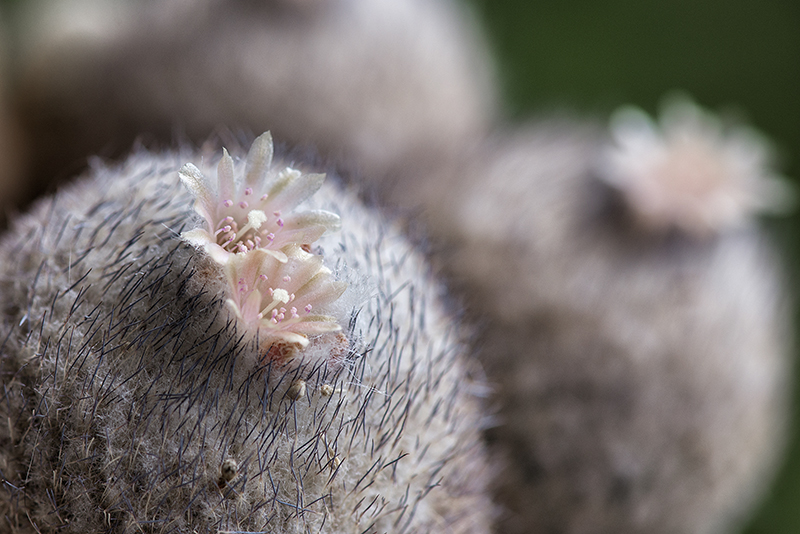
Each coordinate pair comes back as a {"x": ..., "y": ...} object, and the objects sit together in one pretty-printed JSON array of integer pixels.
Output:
[
  {"x": 251, "y": 306},
  {"x": 329, "y": 220},
  {"x": 292, "y": 187},
  {"x": 250, "y": 265},
  {"x": 302, "y": 236},
  {"x": 318, "y": 324},
  {"x": 195, "y": 182},
  {"x": 259, "y": 158},
  {"x": 234, "y": 307},
  {"x": 286, "y": 336},
  {"x": 202, "y": 239},
  {"x": 197, "y": 237},
  {"x": 217, "y": 253},
  {"x": 320, "y": 290},
  {"x": 225, "y": 183},
  {"x": 277, "y": 254},
  {"x": 301, "y": 266}
]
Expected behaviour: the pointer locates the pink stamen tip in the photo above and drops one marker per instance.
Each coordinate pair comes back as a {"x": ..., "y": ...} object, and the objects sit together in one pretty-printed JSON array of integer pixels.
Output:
[
  {"x": 287, "y": 278},
  {"x": 271, "y": 236},
  {"x": 274, "y": 313},
  {"x": 228, "y": 219},
  {"x": 276, "y": 213},
  {"x": 263, "y": 277},
  {"x": 248, "y": 191},
  {"x": 280, "y": 222},
  {"x": 243, "y": 205},
  {"x": 228, "y": 203},
  {"x": 264, "y": 197},
  {"x": 271, "y": 291},
  {"x": 291, "y": 297},
  {"x": 308, "y": 308}
]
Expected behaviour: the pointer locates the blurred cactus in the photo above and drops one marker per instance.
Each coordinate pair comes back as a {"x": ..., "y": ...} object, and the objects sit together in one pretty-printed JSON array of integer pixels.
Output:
[
  {"x": 379, "y": 86},
  {"x": 641, "y": 372}
]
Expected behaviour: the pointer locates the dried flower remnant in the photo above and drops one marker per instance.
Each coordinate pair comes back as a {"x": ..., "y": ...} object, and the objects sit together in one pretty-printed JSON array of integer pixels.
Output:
[
  {"x": 228, "y": 472},
  {"x": 282, "y": 301},
  {"x": 253, "y": 213},
  {"x": 690, "y": 172},
  {"x": 297, "y": 389}
]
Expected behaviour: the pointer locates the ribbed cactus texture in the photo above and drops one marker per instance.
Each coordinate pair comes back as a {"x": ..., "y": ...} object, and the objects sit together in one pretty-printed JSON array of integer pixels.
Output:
[{"x": 133, "y": 402}]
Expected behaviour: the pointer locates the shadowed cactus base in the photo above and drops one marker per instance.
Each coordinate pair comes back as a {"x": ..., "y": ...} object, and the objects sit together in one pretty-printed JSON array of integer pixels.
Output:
[{"x": 134, "y": 403}]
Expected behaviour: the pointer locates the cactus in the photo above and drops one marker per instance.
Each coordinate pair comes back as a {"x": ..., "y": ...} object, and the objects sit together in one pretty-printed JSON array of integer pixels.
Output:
[
  {"x": 641, "y": 357},
  {"x": 137, "y": 401}
]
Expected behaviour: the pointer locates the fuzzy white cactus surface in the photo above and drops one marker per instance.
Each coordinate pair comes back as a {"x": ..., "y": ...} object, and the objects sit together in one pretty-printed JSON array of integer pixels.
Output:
[{"x": 137, "y": 400}]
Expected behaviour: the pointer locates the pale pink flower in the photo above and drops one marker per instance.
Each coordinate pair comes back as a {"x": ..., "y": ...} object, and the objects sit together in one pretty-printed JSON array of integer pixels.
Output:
[
  {"x": 254, "y": 212},
  {"x": 689, "y": 171},
  {"x": 283, "y": 301}
]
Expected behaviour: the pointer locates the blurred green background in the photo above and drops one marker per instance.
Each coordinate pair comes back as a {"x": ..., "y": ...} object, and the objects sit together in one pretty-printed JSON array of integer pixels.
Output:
[{"x": 590, "y": 56}]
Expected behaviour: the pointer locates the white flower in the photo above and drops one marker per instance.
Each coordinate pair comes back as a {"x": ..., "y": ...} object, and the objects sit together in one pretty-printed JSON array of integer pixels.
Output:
[
  {"x": 282, "y": 300},
  {"x": 254, "y": 213},
  {"x": 689, "y": 172}
]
